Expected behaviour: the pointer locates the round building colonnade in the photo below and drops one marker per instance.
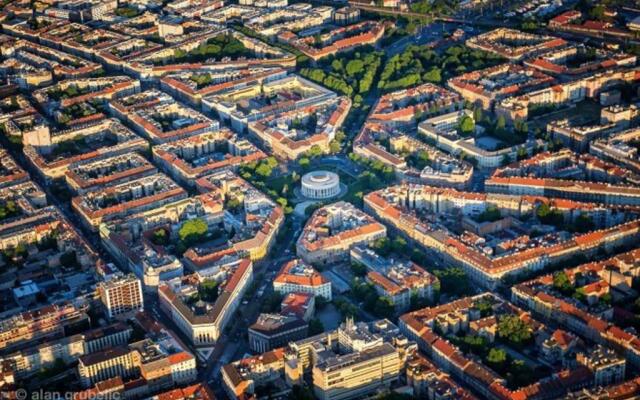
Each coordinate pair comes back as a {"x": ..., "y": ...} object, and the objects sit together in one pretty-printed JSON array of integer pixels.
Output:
[{"x": 320, "y": 185}]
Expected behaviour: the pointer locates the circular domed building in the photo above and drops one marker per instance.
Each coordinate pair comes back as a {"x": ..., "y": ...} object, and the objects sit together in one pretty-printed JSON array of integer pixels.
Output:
[{"x": 320, "y": 185}]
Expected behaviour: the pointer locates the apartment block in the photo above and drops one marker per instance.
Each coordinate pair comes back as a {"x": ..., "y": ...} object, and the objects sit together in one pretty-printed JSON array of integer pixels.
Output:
[
  {"x": 203, "y": 322},
  {"x": 296, "y": 276},
  {"x": 194, "y": 157},
  {"x": 121, "y": 295},
  {"x": 125, "y": 199},
  {"x": 159, "y": 118},
  {"x": 333, "y": 230}
]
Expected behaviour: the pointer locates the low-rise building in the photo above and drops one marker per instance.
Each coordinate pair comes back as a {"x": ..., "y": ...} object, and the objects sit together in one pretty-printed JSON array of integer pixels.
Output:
[
  {"x": 296, "y": 276},
  {"x": 333, "y": 230},
  {"x": 271, "y": 331},
  {"x": 242, "y": 105},
  {"x": 607, "y": 366},
  {"x": 159, "y": 118},
  {"x": 194, "y": 157},
  {"x": 119, "y": 201},
  {"x": 396, "y": 280},
  {"x": 83, "y": 177},
  {"x": 512, "y": 44}
]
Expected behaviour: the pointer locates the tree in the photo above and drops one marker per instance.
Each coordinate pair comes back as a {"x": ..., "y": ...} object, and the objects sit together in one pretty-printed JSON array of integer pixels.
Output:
[
  {"x": 434, "y": 75},
  {"x": 453, "y": 280},
  {"x": 477, "y": 114},
  {"x": 192, "y": 231},
  {"x": 497, "y": 358},
  {"x": 160, "y": 237},
  {"x": 272, "y": 162},
  {"x": 282, "y": 201},
  {"x": 355, "y": 67},
  {"x": 264, "y": 170},
  {"x": 304, "y": 162},
  {"x": 475, "y": 344},
  {"x": 208, "y": 291},
  {"x": 549, "y": 216},
  {"x": 580, "y": 295},
  {"x": 490, "y": 214},
  {"x": 506, "y": 160},
  {"x": 485, "y": 307},
  {"x": 69, "y": 259},
  {"x": 337, "y": 65},
  {"x": 583, "y": 223},
  {"x": 562, "y": 283},
  {"x": 512, "y": 329},
  {"x": 467, "y": 126},
  {"x": 231, "y": 203},
  {"x": 8, "y": 209},
  {"x": 272, "y": 303},
  {"x": 382, "y": 246},
  {"x": 419, "y": 160},
  {"x": 399, "y": 245},
  {"x": 501, "y": 123},
  {"x": 314, "y": 151},
  {"x": 521, "y": 153},
  {"x": 598, "y": 12},
  {"x": 384, "y": 307},
  {"x": 301, "y": 393},
  {"x": 358, "y": 269}
]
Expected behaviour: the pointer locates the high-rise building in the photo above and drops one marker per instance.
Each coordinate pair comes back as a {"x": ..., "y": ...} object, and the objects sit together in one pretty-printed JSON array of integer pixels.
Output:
[{"x": 121, "y": 295}]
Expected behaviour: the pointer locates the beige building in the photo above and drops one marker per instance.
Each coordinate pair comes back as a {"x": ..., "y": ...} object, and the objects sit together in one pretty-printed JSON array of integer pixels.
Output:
[
  {"x": 203, "y": 322},
  {"x": 333, "y": 230},
  {"x": 298, "y": 277},
  {"x": 96, "y": 367},
  {"x": 356, "y": 374},
  {"x": 121, "y": 295},
  {"x": 606, "y": 365}
]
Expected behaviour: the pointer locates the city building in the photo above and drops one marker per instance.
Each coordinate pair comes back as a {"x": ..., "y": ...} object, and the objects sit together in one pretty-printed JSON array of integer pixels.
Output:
[
  {"x": 194, "y": 157},
  {"x": 296, "y": 276},
  {"x": 342, "y": 39},
  {"x": 512, "y": 44},
  {"x": 53, "y": 153},
  {"x": 51, "y": 321},
  {"x": 364, "y": 357},
  {"x": 443, "y": 132},
  {"x": 333, "y": 230},
  {"x": 121, "y": 295},
  {"x": 292, "y": 134},
  {"x": 618, "y": 148},
  {"x": 242, "y": 105},
  {"x": 203, "y": 321},
  {"x": 600, "y": 182},
  {"x": 302, "y": 305},
  {"x": 109, "y": 363},
  {"x": 110, "y": 171},
  {"x": 271, "y": 331},
  {"x": 488, "y": 86},
  {"x": 125, "y": 199},
  {"x": 455, "y": 318},
  {"x": 406, "y": 209},
  {"x": 398, "y": 281},
  {"x": 158, "y": 117},
  {"x": 320, "y": 185},
  {"x": 607, "y": 366}
]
